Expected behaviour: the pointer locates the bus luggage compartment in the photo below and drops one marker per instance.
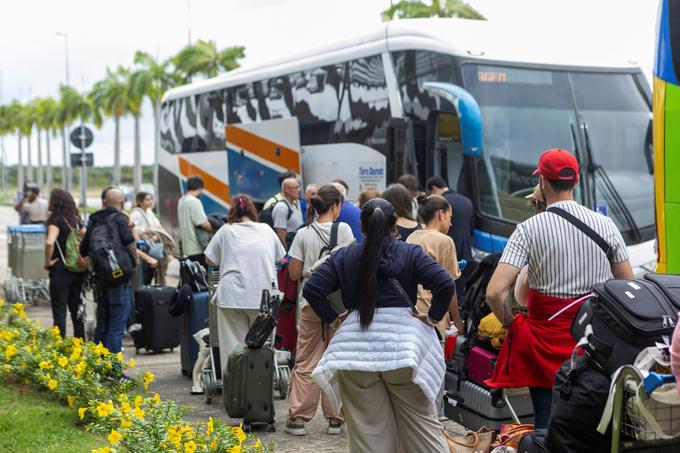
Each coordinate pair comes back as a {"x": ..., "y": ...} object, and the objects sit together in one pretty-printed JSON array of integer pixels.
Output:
[{"x": 474, "y": 406}]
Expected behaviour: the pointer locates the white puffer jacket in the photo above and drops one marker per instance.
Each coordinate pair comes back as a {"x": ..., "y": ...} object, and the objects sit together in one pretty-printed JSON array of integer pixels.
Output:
[{"x": 394, "y": 340}]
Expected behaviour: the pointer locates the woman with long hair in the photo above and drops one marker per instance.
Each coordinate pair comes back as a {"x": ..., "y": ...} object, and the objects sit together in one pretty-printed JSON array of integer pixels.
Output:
[
  {"x": 400, "y": 198},
  {"x": 385, "y": 365},
  {"x": 436, "y": 213},
  {"x": 246, "y": 252},
  {"x": 310, "y": 244},
  {"x": 65, "y": 286},
  {"x": 149, "y": 228}
]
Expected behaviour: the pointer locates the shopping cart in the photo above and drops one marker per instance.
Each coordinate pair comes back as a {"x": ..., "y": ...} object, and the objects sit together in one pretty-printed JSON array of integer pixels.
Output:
[
  {"x": 27, "y": 279},
  {"x": 639, "y": 422}
]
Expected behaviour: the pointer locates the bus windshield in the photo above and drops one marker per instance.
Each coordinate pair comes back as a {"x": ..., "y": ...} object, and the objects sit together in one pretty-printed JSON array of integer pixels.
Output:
[{"x": 526, "y": 111}]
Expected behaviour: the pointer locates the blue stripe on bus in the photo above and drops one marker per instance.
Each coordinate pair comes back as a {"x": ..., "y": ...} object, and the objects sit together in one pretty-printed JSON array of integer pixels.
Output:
[
  {"x": 251, "y": 177},
  {"x": 488, "y": 242},
  {"x": 663, "y": 63},
  {"x": 210, "y": 205}
]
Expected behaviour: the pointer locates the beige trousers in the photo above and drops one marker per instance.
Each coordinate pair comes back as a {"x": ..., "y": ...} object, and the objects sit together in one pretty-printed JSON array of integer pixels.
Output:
[
  {"x": 304, "y": 393},
  {"x": 232, "y": 327},
  {"x": 387, "y": 413}
]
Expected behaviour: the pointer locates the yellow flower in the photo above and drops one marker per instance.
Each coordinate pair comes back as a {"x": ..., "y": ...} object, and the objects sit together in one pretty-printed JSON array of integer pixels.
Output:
[
  {"x": 125, "y": 423},
  {"x": 80, "y": 368},
  {"x": 120, "y": 357},
  {"x": 240, "y": 435},
  {"x": 211, "y": 426},
  {"x": 102, "y": 450},
  {"x": 174, "y": 434},
  {"x": 157, "y": 398},
  {"x": 138, "y": 400},
  {"x": 71, "y": 399},
  {"x": 132, "y": 363},
  {"x": 213, "y": 444},
  {"x": 63, "y": 361},
  {"x": 100, "y": 349},
  {"x": 190, "y": 447},
  {"x": 77, "y": 341},
  {"x": 125, "y": 408},
  {"x": 6, "y": 335},
  {"x": 122, "y": 398},
  {"x": 52, "y": 384},
  {"x": 75, "y": 354},
  {"x": 81, "y": 412},
  {"x": 235, "y": 449},
  {"x": 2, "y": 302},
  {"x": 45, "y": 364},
  {"x": 10, "y": 351},
  {"x": 148, "y": 377},
  {"x": 56, "y": 333},
  {"x": 114, "y": 437},
  {"x": 258, "y": 445},
  {"x": 105, "y": 409},
  {"x": 139, "y": 413}
]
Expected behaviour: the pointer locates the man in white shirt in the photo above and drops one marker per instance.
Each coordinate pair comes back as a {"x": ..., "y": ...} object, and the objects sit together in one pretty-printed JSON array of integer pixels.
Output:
[
  {"x": 32, "y": 208},
  {"x": 191, "y": 215},
  {"x": 287, "y": 215}
]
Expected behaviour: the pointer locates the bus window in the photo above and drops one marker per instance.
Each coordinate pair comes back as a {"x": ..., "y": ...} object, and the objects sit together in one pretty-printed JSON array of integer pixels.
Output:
[
  {"x": 210, "y": 122},
  {"x": 448, "y": 158}
]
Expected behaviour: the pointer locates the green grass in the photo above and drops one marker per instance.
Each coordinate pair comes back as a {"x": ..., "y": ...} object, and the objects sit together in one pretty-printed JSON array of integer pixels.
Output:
[{"x": 32, "y": 421}]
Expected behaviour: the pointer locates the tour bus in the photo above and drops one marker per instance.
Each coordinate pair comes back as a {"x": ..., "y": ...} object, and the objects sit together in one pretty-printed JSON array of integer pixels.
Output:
[
  {"x": 666, "y": 105},
  {"x": 463, "y": 99}
]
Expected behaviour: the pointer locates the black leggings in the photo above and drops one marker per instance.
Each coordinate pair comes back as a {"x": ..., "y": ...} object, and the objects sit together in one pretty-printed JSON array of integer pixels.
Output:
[{"x": 65, "y": 289}]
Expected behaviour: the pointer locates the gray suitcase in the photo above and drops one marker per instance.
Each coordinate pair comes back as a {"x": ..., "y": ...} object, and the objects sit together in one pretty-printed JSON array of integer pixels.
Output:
[{"x": 474, "y": 406}]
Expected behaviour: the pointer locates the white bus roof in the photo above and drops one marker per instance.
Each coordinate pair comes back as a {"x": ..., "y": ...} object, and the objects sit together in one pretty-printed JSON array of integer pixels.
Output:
[{"x": 474, "y": 39}]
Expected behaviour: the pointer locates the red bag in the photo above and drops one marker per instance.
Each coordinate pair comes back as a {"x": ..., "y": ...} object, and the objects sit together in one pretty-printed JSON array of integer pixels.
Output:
[
  {"x": 480, "y": 364},
  {"x": 286, "y": 328}
]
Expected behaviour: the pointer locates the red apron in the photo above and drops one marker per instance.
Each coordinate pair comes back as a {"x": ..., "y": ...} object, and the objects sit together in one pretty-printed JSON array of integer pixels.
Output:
[{"x": 536, "y": 346}]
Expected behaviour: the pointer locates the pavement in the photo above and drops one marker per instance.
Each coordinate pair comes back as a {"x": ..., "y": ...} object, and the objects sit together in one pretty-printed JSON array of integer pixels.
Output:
[{"x": 170, "y": 383}]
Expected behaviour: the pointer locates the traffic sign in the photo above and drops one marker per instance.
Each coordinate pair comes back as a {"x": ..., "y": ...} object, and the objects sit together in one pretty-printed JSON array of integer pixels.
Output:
[
  {"x": 77, "y": 159},
  {"x": 81, "y": 137}
]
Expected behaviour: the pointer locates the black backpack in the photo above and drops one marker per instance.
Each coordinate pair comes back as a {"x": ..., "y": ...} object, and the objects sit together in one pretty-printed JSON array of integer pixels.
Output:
[
  {"x": 112, "y": 263},
  {"x": 266, "y": 215}
]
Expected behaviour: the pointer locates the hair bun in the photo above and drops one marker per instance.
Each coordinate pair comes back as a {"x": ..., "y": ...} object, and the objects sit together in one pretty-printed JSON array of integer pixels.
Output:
[{"x": 421, "y": 198}]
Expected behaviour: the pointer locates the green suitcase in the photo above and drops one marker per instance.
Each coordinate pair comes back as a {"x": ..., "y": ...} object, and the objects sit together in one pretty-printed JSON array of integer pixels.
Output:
[{"x": 248, "y": 386}]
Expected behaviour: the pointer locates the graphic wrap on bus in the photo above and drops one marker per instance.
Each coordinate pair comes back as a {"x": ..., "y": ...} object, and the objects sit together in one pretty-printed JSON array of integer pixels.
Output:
[
  {"x": 667, "y": 136},
  {"x": 429, "y": 97}
]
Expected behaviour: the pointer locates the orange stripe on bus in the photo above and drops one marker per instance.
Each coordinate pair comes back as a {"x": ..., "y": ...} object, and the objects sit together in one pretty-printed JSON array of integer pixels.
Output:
[
  {"x": 212, "y": 184},
  {"x": 261, "y": 147}
]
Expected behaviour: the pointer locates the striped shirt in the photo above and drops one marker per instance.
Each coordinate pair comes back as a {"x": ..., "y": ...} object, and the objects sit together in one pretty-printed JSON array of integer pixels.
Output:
[{"x": 563, "y": 261}]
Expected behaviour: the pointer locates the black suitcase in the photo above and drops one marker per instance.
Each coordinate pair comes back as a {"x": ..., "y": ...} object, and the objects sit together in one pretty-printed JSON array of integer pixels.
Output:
[
  {"x": 248, "y": 386},
  {"x": 624, "y": 317},
  {"x": 159, "y": 329}
]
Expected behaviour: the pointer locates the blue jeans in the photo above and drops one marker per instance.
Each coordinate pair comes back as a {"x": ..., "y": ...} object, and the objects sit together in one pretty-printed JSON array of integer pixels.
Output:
[
  {"x": 113, "y": 310},
  {"x": 541, "y": 399}
]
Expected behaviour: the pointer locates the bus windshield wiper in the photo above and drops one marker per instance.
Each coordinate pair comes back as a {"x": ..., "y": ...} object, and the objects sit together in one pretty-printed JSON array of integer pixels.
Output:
[{"x": 592, "y": 168}]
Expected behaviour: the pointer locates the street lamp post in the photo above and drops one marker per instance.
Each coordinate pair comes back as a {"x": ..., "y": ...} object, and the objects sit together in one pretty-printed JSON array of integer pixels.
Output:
[{"x": 66, "y": 176}]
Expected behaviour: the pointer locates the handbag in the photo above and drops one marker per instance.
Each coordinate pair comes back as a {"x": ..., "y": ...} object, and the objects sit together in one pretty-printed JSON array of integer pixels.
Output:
[
  {"x": 472, "y": 442},
  {"x": 511, "y": 434},
  {"x": 156, "y": 249},
  {"x": 265, "y": 321},
  {"x": 193, "y": 274}
]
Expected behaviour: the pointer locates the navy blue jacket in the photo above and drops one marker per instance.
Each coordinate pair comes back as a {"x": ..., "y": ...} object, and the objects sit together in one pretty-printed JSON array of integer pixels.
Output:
[{"x": 408, "y": 263}]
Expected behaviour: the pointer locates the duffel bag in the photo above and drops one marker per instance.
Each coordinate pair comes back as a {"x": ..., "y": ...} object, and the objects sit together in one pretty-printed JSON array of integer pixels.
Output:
[{"x": 622, "y": 318}]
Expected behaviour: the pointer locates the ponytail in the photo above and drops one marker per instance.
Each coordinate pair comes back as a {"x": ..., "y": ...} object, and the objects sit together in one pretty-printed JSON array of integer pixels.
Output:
[{"x": 376, "y": 231}]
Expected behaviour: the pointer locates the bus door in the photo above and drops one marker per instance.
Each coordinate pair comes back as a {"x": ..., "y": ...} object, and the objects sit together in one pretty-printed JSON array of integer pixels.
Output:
[
  {"x": 401, "y": 149},
  {"x": 456, "y": 132}
]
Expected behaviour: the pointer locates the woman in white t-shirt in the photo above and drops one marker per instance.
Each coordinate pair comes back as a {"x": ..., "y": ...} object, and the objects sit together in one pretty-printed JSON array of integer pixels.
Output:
[
  {"x": 149, "y": 228},
  {"x": 310, "y": 243},
  {"x": 246, "y": 252}
]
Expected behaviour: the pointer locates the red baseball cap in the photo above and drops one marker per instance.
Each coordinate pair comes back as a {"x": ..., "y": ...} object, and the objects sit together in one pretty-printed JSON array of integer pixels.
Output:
[{"x": 553, "y": 161}]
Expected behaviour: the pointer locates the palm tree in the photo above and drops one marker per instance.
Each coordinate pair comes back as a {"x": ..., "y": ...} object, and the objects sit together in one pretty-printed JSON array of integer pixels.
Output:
[
  {"x": 151, "y": 79},
  {"x": 68, "y": 111},
  {"x": 48, "y": 110},
  {"x": 134, "y": 106},
  {"x": 5, "y": 128},
  {"x": 110, "y": 97},
  {"x": 27, "y": 120},
  {"x": 412, "y": 9},
  {"x": 14, "y": 113},
  {"x": 203, "y": 58},
  {"x": 36, "y": 114}
]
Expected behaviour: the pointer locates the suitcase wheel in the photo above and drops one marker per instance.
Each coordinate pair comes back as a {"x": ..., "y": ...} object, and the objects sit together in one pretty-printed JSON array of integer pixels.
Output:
[
  {"x": 172, "y": 349},
  {"x": 272, "y": 428},
  {"x": 247, "y": 427},
  {"x": 136, "y": 351}
]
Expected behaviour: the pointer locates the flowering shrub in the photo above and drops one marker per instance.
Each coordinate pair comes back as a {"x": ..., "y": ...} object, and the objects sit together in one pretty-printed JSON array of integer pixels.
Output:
[{"x": 87, "y": 377}]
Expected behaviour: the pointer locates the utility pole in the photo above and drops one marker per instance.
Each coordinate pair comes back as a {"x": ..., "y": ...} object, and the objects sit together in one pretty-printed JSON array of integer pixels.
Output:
[
  {"x": 189, "y": 19},
  {"x": 3, "y": 156}
]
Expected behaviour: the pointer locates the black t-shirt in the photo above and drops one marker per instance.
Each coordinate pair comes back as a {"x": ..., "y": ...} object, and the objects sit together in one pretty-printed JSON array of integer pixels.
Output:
[
  {"x": 404, "y": 233},
  {"x": 462, "y": 223}
]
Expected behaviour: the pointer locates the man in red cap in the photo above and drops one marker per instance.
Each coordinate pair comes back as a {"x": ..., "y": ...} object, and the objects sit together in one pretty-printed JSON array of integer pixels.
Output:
[{"x": 567, "y": 248}]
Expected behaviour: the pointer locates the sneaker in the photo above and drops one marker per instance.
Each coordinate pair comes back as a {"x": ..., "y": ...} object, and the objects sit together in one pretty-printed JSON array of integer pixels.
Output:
[
  {"x": 296, "y": 427},
  {"x": 334, "y": 426}
]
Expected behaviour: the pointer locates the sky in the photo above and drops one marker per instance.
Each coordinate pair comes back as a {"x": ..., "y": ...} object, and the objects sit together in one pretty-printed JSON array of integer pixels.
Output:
[{"x": 107, "y": 34}]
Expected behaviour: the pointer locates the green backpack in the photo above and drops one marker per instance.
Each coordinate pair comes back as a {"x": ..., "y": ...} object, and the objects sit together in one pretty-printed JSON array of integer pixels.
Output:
[{"x": 72, "y": 260}]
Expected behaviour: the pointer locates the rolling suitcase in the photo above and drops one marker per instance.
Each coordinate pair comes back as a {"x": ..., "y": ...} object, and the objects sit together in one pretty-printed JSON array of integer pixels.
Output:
[
  {"x": 474, "y": 406},
  {"x": 158, "y": 329},
  {"x": 195, "y": 318},
  {"x": 248, "y": 386}
]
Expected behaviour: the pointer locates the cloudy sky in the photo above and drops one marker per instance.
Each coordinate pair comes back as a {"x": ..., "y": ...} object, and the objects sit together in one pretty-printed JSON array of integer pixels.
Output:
[{"x": 102, "y": 34}]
